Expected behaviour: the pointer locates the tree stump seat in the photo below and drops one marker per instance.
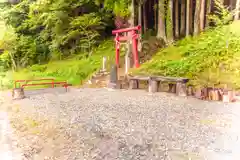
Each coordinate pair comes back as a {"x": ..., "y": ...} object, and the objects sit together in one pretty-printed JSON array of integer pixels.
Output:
[
  {"x": 176, "y": 85},
  {"x": 18, "y": 93}
]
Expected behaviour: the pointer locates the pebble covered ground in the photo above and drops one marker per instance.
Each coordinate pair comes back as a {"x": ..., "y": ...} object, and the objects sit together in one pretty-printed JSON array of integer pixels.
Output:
[{"x": 99, "y": 124}]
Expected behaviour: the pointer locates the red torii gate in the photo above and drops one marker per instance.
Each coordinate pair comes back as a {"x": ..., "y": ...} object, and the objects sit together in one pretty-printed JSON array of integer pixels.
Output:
[{"x": 134, "y": 36}]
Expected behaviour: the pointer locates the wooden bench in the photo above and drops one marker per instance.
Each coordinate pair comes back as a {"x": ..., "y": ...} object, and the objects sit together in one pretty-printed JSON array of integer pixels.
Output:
[{"x": 176, "y": 85}]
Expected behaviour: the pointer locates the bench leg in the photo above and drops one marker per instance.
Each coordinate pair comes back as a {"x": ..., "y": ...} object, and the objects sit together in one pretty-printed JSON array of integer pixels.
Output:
[
  {"x": 172, "y": 88},
  {"x": 181, "y": 89},
  {"x": 153, "y": 86},
  {"x": 133, "y": 84}
]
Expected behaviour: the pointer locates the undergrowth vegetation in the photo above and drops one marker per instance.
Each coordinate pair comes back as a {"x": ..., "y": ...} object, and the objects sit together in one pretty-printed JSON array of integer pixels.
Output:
[
  {"x": 74, "y": 69},
  {"x": 210, "y": 59}
]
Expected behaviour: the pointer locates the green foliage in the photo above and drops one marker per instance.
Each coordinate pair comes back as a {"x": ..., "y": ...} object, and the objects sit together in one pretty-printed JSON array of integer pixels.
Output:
[
  {"x": 119, "y": 7},
  {"x": 44, "y": 30},
  {"x": 222, "y": 15},
  {"x": 209, "y": 59},
  {"x": 75, "y": 69}
]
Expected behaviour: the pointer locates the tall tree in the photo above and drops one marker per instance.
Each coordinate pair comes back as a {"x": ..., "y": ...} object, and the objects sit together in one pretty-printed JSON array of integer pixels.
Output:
[
  {"x": 161, "y": 34},
  {"x": 189, "y": 17},
  {"x": 236, "y": 17},
  {"x": 140, "y": 3},
  {"x": 196, "y": 17},
  {"x": 155, "y": 7},
  {"x": 176, "y": 17},
  {"x": 202, "y": 14},
  {"x": 132, "y": 13},
  {"x": 208, "y": 12},
  {"x": 144, "y": 17},
  {"x": 169, "y": 21},
  {"x": 183, "y": 18}
]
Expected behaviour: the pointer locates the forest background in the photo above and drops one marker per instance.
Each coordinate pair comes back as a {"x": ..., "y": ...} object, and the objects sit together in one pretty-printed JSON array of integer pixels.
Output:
[{"x": 66, "y": 39}]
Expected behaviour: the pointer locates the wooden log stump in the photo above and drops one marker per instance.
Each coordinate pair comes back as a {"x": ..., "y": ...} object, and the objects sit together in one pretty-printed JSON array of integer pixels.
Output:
[
  {"x": 198, "y": 93},
  {"x": 218, "y": 96},
  {"x": 133, "y": 84},
  {"x": 172, "y": 88},
  {"x": 190, "y": 91},
  {"x": 18, "y": 93},
  {"x": 214, "y": 94},
  {"x": 153, "y": 86},
  {"x": 228, "y": 96},
  {"x": 205, "y": 93},
  {"x": 181, "y": 89},
  {"x": 210, "y": 94}
]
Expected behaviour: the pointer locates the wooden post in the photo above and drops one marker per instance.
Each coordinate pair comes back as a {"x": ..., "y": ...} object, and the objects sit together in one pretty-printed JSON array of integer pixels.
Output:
[
  {"x": 104, "y": 62},
  {"x": 127, "y": 63},
  {"x": 181, "y": 89}
]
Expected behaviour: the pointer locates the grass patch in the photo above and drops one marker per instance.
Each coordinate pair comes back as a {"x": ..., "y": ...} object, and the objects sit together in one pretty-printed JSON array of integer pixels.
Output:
[
  {"x": 210, "y": 59},
  {"x": 74, "y": 70}
]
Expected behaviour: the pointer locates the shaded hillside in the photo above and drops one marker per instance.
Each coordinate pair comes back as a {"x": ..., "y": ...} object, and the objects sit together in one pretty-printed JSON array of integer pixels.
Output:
[{"x": 209, "y": 59}]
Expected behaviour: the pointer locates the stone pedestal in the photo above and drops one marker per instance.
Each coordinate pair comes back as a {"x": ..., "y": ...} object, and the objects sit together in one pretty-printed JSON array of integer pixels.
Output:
[
  {"x": 152, "y": 86},
  {"x": 181, "y": 89},
  {"x": 113, "y": 77},
  {"x": 18, "y": 93}
]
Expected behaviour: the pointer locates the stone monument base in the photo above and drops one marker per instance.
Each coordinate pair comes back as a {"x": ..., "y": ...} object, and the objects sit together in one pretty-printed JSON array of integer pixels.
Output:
[{"x": 18, "y": 93}]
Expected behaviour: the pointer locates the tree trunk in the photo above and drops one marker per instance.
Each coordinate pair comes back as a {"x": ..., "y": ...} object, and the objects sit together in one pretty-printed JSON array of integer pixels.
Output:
[
  {"x": 196, "y": 17},
  {"x": 231, "y": 5},
  {"x": 131, "y": 22},
  {"x": 188, "y": 17},
  {"x": 209, "y": 6},
  {"x": 202, "y": 15},
  {"x": 183, "y": 18},
  {"x": 169, "y": 25},
  {"x": 161, "y": 34},
  {"x": 140, "y": 23},
  {"x": 236, "y": 17},
  {"x": 155, "y": 15},
  {"x": 132, "y": 12},
  {"x": 144, "y": 18},
  {"x": 140, "y": 13},
  {"x": 176, "y": 19}
]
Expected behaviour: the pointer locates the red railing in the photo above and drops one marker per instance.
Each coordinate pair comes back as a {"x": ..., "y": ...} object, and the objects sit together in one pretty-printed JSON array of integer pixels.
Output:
[
  {"x": 52, "y": 83},
  {"x": 34, "y": 80}
]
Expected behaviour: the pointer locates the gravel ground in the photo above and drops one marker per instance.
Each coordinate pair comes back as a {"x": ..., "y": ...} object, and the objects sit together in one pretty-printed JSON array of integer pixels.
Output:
[{"x": 127, "y": 125}]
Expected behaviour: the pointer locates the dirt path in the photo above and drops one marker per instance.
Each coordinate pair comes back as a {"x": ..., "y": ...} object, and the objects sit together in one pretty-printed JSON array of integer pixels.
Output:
[{"x": 100, "y": 124}]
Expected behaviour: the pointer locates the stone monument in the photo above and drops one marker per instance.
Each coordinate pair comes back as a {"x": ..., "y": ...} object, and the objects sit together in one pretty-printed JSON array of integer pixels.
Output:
[{"x": 18, "y": 93}]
